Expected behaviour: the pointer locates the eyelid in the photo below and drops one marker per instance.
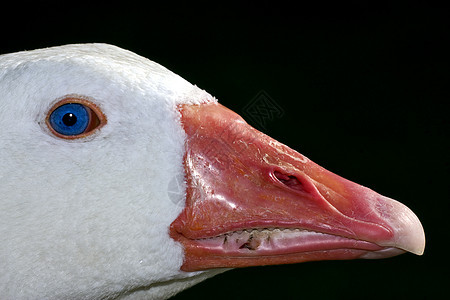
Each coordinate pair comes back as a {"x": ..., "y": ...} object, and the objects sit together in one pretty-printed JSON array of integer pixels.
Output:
[{"x": 97, "y": 118}]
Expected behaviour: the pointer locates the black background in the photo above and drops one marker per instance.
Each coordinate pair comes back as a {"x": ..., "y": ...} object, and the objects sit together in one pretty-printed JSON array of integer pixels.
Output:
[{"x": 363, "y": 87}]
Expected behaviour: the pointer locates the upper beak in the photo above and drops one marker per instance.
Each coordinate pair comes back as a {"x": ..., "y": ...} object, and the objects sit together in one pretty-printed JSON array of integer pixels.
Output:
[{"x": 254, "y": 201}]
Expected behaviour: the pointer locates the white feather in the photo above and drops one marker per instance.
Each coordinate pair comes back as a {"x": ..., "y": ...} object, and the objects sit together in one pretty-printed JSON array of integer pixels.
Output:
[{"x": 89, "y": 218}]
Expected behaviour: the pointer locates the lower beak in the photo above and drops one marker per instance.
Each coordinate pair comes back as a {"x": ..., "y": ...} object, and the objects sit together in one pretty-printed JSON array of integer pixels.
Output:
[{"x": 254, "y": 201}]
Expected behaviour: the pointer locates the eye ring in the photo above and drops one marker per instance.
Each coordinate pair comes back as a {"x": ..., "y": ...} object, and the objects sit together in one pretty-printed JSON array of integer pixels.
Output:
[{"x": 74, "y": 117}]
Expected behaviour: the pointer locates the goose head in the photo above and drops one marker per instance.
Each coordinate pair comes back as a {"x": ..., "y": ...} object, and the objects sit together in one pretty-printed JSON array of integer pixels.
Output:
[{"x": 119, "y": 178}]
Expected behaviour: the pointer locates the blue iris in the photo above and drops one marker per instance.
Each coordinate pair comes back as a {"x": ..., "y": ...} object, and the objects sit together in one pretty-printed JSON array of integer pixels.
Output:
[{"x": 70, "y": 119}]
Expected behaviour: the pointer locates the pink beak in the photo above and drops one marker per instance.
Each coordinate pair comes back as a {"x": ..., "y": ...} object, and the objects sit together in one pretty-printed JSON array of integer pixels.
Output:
[{"x": 254, "y": 201}]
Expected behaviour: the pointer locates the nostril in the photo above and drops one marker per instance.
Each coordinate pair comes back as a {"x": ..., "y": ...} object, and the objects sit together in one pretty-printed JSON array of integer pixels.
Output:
[{"x": 290, "y": 181}]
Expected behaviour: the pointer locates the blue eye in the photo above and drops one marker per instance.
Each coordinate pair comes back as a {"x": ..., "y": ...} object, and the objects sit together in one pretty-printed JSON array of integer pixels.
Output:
[{"x": 71, "y": 120}]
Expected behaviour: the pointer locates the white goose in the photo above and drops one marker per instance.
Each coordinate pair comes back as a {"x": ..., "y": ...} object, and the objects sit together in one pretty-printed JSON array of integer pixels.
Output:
[{"x": 95, "y": 143}]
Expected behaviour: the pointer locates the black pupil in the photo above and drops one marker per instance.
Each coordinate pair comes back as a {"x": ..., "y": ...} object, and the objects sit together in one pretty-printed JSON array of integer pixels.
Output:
[{"x": 69, "y": 119}]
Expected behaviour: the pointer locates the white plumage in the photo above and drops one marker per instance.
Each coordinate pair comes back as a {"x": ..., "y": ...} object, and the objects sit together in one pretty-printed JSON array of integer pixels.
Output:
[{"x": 89, "y": 218}]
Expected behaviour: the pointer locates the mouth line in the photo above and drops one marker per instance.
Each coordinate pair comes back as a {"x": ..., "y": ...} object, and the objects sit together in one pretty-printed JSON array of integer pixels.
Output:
[{"x": 274, "y": 241}]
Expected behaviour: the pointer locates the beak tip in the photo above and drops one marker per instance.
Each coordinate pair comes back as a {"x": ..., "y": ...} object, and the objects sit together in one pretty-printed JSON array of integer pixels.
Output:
[
  {"x": 415, "y": 241},
  {"x": 411, "y": 234},
  {"x": 408, "y": 231}
]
